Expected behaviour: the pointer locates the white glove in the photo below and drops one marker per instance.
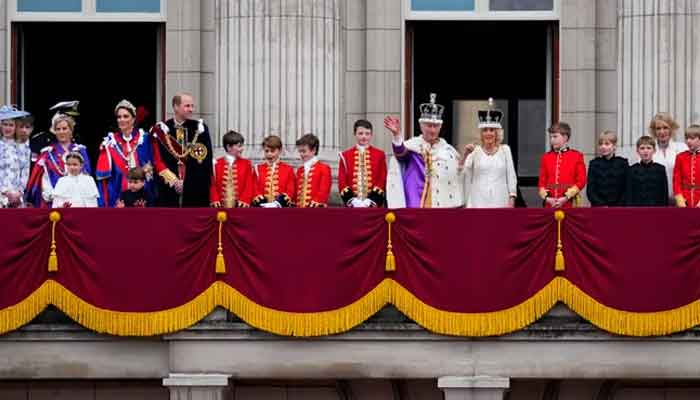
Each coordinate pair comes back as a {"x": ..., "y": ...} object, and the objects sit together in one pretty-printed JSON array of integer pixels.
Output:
[
  {"x": 368, "y": 203},
  {"x": 355, "y": 202},
  {"x": 270, "y": 205}
]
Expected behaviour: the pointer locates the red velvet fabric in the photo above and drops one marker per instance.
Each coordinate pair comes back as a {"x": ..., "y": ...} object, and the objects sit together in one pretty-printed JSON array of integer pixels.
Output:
[{"x": 311, "y": 260}]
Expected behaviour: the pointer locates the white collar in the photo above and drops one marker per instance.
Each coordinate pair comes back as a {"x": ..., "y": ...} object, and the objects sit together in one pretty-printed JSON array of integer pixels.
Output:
[
  {"x": 178, "y": 123},
  {"x": 229, "y": 158},
  {"x": 309, "y": 163},
  {"x": 361, "y": 148}
]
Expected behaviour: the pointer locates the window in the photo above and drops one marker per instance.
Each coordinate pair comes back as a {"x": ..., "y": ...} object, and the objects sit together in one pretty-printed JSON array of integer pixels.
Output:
[
  {"x": 141, "y": 6},
  {"x": 442, "y": 5},
  {"x": 49, "y": 6},
  {"x": 521, "y": 5}
]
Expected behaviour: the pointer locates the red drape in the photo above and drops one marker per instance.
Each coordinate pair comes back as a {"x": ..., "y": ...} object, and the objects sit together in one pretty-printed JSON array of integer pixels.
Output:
[{"x": 314, "y": 261}]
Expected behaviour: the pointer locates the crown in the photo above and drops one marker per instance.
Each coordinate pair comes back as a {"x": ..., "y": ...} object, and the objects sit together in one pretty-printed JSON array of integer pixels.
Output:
[
  {"x": 431, "y": 112},
  {"x": 491, "y": 117},
  {"x": 125, "y": 104}
]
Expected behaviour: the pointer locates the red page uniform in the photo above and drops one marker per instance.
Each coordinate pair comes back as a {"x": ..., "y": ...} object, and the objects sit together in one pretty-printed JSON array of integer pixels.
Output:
[
  {"x": 562, "y": 173},
  {"x": 274, "y": 183},
  {"x": 362, "y": 175},
  {"x": 233, "y": 183},
  {"x": 686, "y": 179},
  {"x": 313, "y": 184}
]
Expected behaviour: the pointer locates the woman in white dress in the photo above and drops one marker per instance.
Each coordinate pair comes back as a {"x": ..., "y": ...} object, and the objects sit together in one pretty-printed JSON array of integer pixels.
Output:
[
  {"x": 489, "y": 173},
  {"x": 663, "y": 128}
]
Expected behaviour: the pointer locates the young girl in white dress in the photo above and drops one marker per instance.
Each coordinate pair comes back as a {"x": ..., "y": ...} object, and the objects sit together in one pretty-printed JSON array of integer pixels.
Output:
[
  {"x": 489, "y": 173},
  {"x": 75, "y": 189}
]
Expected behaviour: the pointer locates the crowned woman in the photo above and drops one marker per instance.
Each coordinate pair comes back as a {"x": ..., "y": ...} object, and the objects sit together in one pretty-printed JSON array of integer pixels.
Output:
[
  {"x": 489, "y": 173},
  {"x": 120, "y": 152}
]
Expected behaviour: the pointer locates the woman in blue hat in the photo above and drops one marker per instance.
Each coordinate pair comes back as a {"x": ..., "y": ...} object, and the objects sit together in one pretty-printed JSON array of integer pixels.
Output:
[{"x": 14, "y": 169}]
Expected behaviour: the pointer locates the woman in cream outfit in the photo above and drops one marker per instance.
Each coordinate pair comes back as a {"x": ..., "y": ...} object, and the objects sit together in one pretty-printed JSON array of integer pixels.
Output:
[{"x": 489, "y": 173}]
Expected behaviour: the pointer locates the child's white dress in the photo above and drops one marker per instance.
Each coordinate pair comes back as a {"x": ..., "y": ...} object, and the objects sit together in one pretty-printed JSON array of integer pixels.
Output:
[{"x": 80, "y": 191}]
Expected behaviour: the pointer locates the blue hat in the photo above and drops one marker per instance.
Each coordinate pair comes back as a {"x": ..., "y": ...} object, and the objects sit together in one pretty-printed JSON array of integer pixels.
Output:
[{"x": 11, "y": 112}]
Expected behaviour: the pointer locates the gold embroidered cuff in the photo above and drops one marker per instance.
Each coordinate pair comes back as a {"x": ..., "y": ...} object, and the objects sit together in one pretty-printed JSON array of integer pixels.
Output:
[
  {"x": 680, "y": 201},
  {"x": 572, "y": 192},
  {"x": 169, "y": 177}
]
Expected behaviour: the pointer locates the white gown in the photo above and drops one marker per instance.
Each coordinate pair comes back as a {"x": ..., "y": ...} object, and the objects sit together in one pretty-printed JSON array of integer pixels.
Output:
[
  {"x": 490, "y": 180},
  {"x": 80, "y": 191}
]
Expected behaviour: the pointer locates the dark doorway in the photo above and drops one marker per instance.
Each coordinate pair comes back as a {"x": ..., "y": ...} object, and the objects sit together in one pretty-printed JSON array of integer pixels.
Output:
[
  {"x": 59, "y": 61},
  {"x": 510, "y": 61}
]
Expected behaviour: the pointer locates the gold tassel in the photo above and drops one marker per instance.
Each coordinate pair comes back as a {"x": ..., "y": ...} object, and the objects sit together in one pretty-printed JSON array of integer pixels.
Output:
[
  {"x": 390, "y": 266},
  {"x": 559, "y": 258},
  {"x": 54, "y": 217},
  {"x": 220, "y": 262}
]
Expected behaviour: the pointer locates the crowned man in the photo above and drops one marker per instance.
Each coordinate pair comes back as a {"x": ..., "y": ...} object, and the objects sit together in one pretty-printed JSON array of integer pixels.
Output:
[
  {"x": 424, "y": 172},
  {"x": 182, "y": 157}
]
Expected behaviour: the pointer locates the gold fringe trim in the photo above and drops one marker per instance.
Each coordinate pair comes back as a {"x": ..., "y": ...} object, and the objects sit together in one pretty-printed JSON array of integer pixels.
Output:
[
  {"x": 133, "y": 323},
  {"x": 345, "y": 318},
  {"x": 307, "y": 324},
  {"x": 625, "y": 322},
  {"x": 475, "y": 324},
  {"x": 17, "y": 315}
]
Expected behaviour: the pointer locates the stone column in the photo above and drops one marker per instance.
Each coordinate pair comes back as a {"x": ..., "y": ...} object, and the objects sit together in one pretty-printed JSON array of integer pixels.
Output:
[
  {"x": 659, "y": 60},
  {"x": 197, "y": 386},
  {"x": 279, "y": 70},
  {"x": 473, "y": 387}
]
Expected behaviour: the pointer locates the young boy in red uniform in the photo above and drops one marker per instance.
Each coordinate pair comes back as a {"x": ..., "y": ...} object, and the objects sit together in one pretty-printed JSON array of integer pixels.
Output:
[
  {"x": 233, "y": 182},
  {"x": 274, "y": 179},
  {"x": 562, "y": 170},
  {"x": 686, "y": 172},
  {"x": 313, "y": 177},
  {"x": 362, "y": 170}
]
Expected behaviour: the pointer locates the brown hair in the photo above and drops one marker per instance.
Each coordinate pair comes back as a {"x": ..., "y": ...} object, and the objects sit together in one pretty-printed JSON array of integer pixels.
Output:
[
  {"x": 693, "y": 131},
  {"x": 28, "y": 120},
  {"x": 361, "y": 123},
  {"x": 76, "y": 156},
  {"x": 136, "y": 174},
  {"x": 561, "y": 127},
  {"x": 647, "y": 140},
  {"x": 667, "y": 119},
  {"x": 273, "y": 142},
  {"x": 309, "y": 140},
  {"x": 177, "y": 99},
  {"x": 232, "y": 138}
]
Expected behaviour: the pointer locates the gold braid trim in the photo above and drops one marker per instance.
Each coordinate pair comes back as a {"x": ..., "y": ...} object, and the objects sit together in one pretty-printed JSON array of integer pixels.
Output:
[
  {"x": 168, "y": 176},
  {"x": 345, "y": 318}
]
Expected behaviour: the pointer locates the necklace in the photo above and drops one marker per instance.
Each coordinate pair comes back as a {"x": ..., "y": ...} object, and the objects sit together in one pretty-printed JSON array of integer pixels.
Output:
[
  {"x": 186, "y": 146},
  {"x": 490, "y": 152}
]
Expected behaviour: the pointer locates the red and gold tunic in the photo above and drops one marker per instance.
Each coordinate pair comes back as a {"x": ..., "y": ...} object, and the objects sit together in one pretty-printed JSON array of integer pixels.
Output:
[
  {"x": 274, "y": 182},
  {"x": 686, "y": 179},
  {"x": 362, "y": 175},
  {"x": 233, "y": 184},
  {"x": 562, "y": 173},
  {"x": 313, "y": 188}
]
